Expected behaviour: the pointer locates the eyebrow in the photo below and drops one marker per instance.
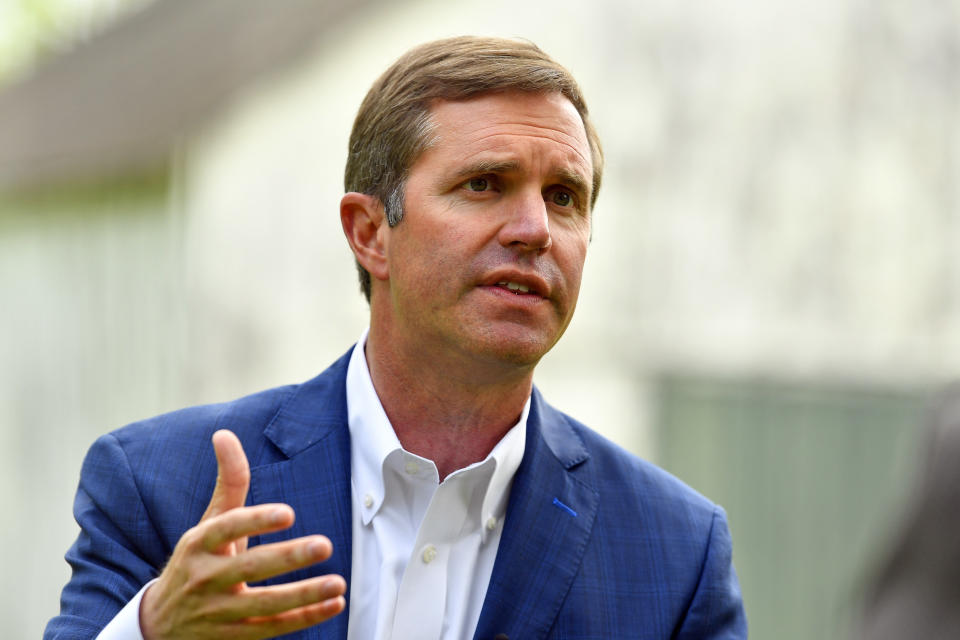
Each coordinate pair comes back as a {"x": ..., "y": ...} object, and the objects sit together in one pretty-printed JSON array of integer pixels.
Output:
[
  {"x": 566, "y": 177},
  {"x": 487, "y": 166}
]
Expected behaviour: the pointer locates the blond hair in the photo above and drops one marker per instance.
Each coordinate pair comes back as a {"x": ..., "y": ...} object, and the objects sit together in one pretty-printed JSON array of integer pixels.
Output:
[{"x": 393, "y": 124}]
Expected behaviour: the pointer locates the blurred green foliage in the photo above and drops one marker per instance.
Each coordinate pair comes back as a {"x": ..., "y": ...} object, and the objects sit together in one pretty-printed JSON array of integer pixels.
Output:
[{"x": 32, "y": 30}]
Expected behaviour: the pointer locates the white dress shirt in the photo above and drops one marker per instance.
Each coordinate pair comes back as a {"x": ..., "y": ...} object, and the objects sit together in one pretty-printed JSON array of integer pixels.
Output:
[{"x": 423, "y": 550}]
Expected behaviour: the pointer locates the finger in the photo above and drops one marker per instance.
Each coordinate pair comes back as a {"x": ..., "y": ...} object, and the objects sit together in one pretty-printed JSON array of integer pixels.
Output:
[
  {"x": 215, "y": 533},
  {"x": 233, "y": 474},
  {"x": 269, "y": 560},
  {"x": 264, "y": 602},
  {"x": 290, "y": 621}
]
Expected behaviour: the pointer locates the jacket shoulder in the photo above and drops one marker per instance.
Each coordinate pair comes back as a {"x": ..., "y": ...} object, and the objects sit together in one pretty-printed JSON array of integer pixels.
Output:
[
  {"x": 193, "y": 427},
  {"x": 633, "y": 482},
  {"x": 249, "y": 417},
  {"x": 666, "y": 547}
]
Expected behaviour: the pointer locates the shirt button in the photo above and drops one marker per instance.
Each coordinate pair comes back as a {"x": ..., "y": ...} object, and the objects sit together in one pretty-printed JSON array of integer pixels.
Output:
[
  {"x": 491, "y": 523},
  {"x": 412, "y": 467},
  {"x": 368, "y": 501},
  {"x": 429, "y": 554}
]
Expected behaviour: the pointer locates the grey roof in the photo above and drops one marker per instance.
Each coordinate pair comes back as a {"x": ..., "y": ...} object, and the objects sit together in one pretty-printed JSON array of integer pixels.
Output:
[{"x": 120, "y": 102}]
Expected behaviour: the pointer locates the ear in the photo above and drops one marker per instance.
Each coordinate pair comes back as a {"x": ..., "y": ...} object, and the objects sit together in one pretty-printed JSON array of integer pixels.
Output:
[{"x": 364, "y": 224}]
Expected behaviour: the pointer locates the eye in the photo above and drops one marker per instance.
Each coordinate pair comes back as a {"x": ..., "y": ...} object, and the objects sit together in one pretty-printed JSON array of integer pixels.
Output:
[
  {"x": 477, "y": 184},
  {"x": 561, "y": 198}
]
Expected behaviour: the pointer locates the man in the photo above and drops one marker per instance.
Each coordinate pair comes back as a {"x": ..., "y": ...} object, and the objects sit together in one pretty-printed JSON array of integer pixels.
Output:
[{"x": 424, "y": 470}]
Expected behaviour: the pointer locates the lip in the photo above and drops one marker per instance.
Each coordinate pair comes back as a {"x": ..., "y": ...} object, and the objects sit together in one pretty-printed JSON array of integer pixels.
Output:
[{"x": 537, "y": 286}]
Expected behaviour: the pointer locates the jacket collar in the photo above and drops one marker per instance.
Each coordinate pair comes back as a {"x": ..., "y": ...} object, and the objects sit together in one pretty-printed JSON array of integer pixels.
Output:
[
  {"x": 564, "y": 443},
  {"x": 311, "y": 430},
  {"x": 549, "y": 518},
  {"x": 552, "y": 508},
  {"x": 316, "y": 410}
]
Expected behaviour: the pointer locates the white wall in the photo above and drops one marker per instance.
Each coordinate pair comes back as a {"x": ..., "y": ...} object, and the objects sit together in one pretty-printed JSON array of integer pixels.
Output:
[{"x": 92, "y": 324}]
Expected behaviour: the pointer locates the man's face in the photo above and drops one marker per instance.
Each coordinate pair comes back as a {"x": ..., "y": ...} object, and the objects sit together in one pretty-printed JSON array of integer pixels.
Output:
[{"x": 487, "y": 261}]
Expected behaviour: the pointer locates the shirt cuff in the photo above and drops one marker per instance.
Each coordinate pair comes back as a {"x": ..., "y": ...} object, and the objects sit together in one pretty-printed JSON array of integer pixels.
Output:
[{"x": 126, "y": 624}]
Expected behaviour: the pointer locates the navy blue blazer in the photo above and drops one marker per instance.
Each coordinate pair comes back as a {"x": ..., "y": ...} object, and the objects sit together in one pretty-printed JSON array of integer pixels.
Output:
[{"x": 597, "y": 544}]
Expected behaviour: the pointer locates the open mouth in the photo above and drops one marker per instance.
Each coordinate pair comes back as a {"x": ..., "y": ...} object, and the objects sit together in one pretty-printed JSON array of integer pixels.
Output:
[{"x": 514, "y": 287}]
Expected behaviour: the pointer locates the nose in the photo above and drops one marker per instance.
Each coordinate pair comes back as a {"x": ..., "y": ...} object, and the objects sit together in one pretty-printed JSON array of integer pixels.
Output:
[{"x": 527, "y": 225}]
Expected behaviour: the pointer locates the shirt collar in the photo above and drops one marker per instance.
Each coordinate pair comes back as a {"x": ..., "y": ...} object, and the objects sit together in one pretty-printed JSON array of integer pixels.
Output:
[
  {"x": 507, "y": 456},
  {"x": 372, "y": 440}
]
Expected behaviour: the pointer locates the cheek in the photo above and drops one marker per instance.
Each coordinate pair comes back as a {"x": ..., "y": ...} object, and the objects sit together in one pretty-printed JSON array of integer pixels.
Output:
[
  {"x": 456, "y": 248},
  {"x": 571, "y": 257},
  {"x": 429, "y": 270}
]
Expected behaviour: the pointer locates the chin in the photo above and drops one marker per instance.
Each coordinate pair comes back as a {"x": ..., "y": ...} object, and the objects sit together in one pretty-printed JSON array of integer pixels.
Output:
[{"x": 516, "y": 349}]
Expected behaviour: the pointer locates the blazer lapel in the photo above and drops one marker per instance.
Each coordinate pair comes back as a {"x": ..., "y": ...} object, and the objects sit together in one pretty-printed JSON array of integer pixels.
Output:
[
  {"x": 548, "y": 523},
  {"x": 311, "y": 430}
]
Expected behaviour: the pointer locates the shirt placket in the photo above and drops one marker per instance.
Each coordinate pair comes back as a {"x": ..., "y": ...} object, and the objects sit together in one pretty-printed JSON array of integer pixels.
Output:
[{"x": 421, "y": 599}]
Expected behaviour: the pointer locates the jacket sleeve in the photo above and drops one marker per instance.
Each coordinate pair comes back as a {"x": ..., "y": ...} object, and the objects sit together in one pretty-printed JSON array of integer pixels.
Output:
[
  {"x": 118, "y": 549},
  {"x": 716, "y": 610}
]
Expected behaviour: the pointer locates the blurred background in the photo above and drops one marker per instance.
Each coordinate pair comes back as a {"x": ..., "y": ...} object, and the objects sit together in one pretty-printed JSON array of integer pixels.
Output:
[{"x": 771, "y": 293}]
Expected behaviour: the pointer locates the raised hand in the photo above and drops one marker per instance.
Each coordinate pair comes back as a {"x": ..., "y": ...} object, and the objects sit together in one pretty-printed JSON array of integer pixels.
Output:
[{"x": 203, "y": 592}]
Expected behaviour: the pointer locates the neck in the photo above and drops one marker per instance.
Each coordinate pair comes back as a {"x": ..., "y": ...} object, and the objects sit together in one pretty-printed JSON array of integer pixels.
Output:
[{"x": 443, "y": 409}]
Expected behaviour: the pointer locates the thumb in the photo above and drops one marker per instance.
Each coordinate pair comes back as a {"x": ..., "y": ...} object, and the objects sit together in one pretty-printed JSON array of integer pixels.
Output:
[{"x": 233, "y": 474}]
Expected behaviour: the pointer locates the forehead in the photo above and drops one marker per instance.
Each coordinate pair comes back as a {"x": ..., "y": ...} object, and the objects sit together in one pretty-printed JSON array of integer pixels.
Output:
[{"x": 538, "y": 127}]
